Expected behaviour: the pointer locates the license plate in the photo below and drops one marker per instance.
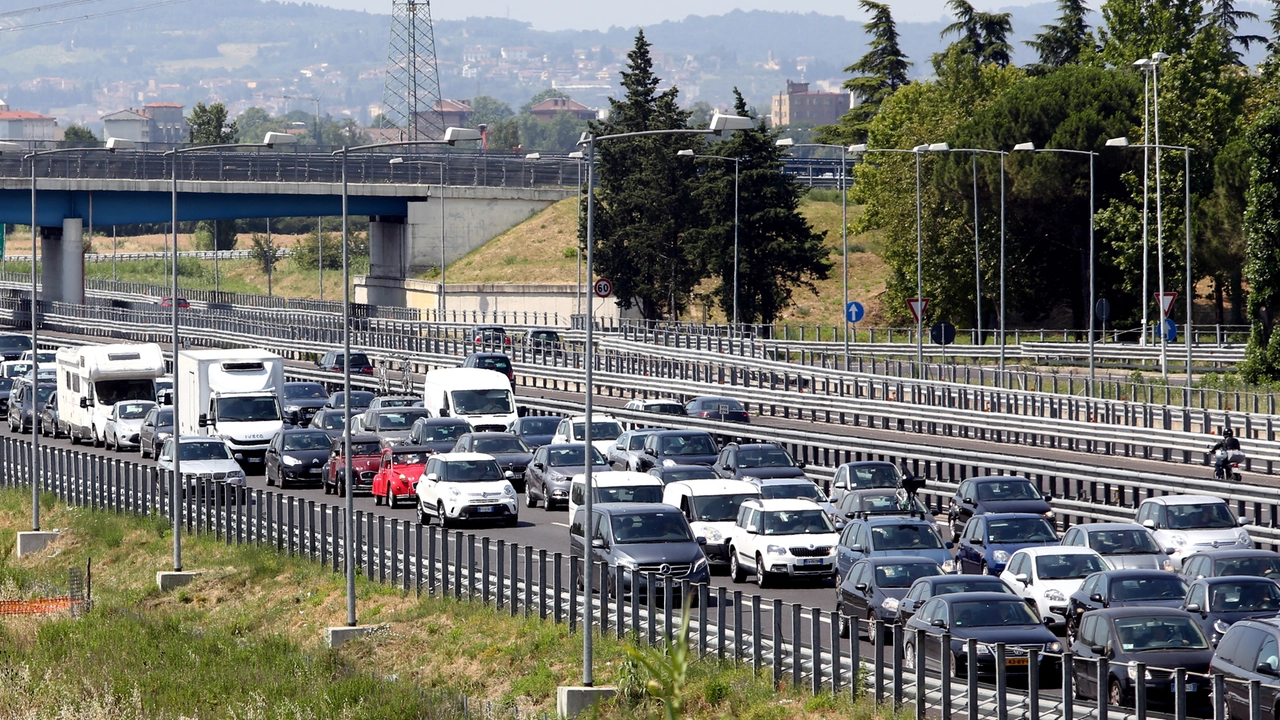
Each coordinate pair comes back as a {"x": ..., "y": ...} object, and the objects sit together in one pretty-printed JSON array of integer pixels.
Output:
[
  {"x": 1015, "y": 661},
  {"x": 485, "y": 509},
  {"x": 1191, "y": 687},
  {"x": 255, "y": 459},
  {"x": 313, "y": 471},
  {"x": 812, "y": 561}
]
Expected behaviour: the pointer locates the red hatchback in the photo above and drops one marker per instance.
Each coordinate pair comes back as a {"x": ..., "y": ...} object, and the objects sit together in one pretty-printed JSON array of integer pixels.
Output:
[
  {"x": 167, "y": 302},
  {"x": 366, "y": 452},
  {"x": 398, "y": 474}
]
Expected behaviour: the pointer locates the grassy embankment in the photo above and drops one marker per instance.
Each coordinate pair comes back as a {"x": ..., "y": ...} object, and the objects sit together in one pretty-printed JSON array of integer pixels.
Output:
[{"x": 244, "y": 641}]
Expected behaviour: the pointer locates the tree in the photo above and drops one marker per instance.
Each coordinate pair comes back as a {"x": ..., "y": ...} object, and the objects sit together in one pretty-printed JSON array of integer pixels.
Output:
[
  {"x": 1066, "y": 40},
  {"x": 879, "y": 74},
  {"x": 263, "y": 252},
  {"x": 778, "y": 250},
  {"x": 307, "y": 252},
  {"x": 504, "y": 135},
  {"x": 79, "y": 136},
  {"x": 559, "y": 134},
  {"x": 1226, "y": 19},
  {"x": 225, "y": 230},
  {"x": 543, "y": 95},
  {"x": 1262, "y": 227},
  {"x": 982, "y": 35},
  {"x": 486, "y": 110},
  {"x": 254, "y": 123},
  {"x": 209, "y": 125},
  {"x": 1135, "y": 29},
  {"x": 644, "y": 203}
]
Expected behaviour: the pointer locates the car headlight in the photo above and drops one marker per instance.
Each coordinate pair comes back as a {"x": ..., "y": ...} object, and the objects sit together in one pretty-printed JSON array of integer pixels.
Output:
[
  {"x": 776, "y": 550},
  {"x": 1053, "y": 647},
  {"x": 890, "y": 604},
  {"x": 1054, "y": 595},
  {"x": 1244, "y": 537},
  {"x": 1000, "y": 556},
  {"x": 701, "y": 564},
  {"x": 1178, "y": 540},
  {"x": 235, "y": 475},
  {"x": 984, "y": 649},
  {"x": 403, "y": 478},
  {"x": 1132, "y": 669},
  {"x": 1220, "y": 627},
  {"x": 508, "y": 490},
  {"x": 668, "y": 463},
  {"x": 714, "y": 535},
  {"x": 626, "y": 563},
  {"x": 948, "y": 566},
  {"x": 454, "y": 492},
  {"x": 291, "y": 461}
]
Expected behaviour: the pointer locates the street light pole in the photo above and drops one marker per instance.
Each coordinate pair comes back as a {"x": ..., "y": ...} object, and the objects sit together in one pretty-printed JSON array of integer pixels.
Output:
[
  {"x": 1144, "y": 65},
  {"x": 1155, "y": 112},
  {"x": 733, "y": 330}
]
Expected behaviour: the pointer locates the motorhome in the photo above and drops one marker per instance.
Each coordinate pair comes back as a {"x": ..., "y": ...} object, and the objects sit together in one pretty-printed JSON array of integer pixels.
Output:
[
  {"x": 234, "y": 395},
  {"x": 91, "y": 379},
  {"x": 481, "y": 397}
]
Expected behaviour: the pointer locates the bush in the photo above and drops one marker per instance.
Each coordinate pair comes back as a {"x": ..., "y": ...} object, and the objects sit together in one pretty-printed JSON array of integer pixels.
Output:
[
  {"x": 226, "y": 230},
  {"x": 307, "y": 252}
]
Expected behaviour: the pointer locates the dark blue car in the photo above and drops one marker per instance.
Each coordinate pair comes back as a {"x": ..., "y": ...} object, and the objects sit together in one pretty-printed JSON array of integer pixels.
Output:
[
  {"x": 995, "y": 494},
  {"x": 987, "y": 541}
]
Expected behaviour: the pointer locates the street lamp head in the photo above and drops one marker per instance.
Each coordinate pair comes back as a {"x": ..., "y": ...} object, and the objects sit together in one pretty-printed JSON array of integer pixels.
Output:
[
  {"x": 1025, "y": 146},
  {"x": 1120, "y": 142},
  {"x": 10, "y": 147},
  {"x": 1141, "y": 63},
  {"x": 584, "y": 138},
  {"x": 576, "y": 155},
  {"x": 939, "y": 147},
  {"x": 920, "y": 149},
  {"x": 533, "y": 156},
  {"x": 115, "y": 143},
  {"x": 684, "y": 153},
  {"x": 785, "y": 142},
  {"x": 721, "y": 123},
  {"x": 396, "y": 161},
  {"x": 458, "y": 134},
  {"x": 273, "y": 139},
  {"x": 859, "y": 148},
  {"x": 1158, "y": 56}
]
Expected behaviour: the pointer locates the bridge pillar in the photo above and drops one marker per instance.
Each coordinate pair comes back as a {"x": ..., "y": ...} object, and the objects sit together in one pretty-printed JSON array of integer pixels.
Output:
[
  {"x": 388, "y": 259},
  {"x": 62, "y": 262}
]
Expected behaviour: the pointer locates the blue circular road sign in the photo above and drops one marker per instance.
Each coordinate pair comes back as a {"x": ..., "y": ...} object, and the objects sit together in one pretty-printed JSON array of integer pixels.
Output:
[{"x": 853, "y": 312}]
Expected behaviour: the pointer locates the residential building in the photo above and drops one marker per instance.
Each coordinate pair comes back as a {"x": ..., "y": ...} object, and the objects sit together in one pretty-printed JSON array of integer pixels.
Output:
[
  {"x": 23, "y": 125},
  {"x": 163, "y": 123},
  {"x": 131, "y": 125},
  {"x": 800, "y": 106},
  {"x": 547, "y": 109}
]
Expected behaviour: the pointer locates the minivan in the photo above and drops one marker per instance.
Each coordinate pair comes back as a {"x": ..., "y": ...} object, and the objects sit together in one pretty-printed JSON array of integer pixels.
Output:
[{"x": 639, "y": 540}]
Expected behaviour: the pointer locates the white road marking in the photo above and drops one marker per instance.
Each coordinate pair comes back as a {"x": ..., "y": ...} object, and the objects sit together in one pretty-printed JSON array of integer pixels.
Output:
[{"x": 563, "y": 525}]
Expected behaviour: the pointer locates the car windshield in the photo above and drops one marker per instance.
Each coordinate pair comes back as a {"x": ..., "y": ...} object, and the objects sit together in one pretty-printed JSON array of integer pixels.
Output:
[
  {"x": 205, "y": 450},
  {"x": 795, "y": 522},
  {"x": 331, "y": 421},
  {"x": 649, "y": 527},
  {"x": 1257, "y": 566},
  {"x": 462, "y": 471},
  {"x": 714, "y": 405},
  {"x": 111, "y": 392},
  {"x": 304, "y": 391},
  {"x": 793, "y": 491},
  {"x": 493, "y": 445},
  {"x": 483, "y": 402},
  {"x": 539, "y": 426},
  {"x": 44, "y": 392},
  {"x": 164, "y": 418},
  {"x": 572, "y": 455},
  {"x": 719, "y": 508},
  {"x": 14, "y": 343},
  {"x": 399, "y": 420},
  {"x": 133, "y": 410},
  {"x": 1164, "y": 587},
  {"x": 632, "y": 494},
  {"x": 688, "y": 445},
  {"x": 766, "y": 457},
  {"x": 1072, "y": 566},
  {"x": 396, "y": 402},
  {"x": 1142, "y": 634},
  {"x": 442, "y": 433},
  {"x": 999, "y": 490},
  {"x": 959, "y": 586},
  {"x": 905, "y": 536},
  {"x": 991, "y": 613},
  {"x": 665, "y": 408},
  {"x": 307, "y": 441},
  {"x": 691, "y": 474},
  {"x": 888, "y": 504},
  {"x": 248, "y": 409},
  {"x": 1244, "y": 596},
  {"x": 410, "y": 458},
  {"x": 1020, "y": 530},
  {"x": 359, "y": 398},
  {"x": 600, "y": 430},
  {"x": 364, "y": 448},
  {"x": 501, "y": 363},
  {"x": 1200, "y": 516},
  {"x": 17, "y": 369},
  {"x": 1123, "y": 542},
  {"x": 901, "y": 575},
  {"x": 874, "y": 476},
  {"x": 547, "y": 335}
]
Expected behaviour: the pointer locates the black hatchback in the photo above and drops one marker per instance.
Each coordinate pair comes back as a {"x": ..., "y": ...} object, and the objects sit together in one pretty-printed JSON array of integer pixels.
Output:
[
  {"x": 989, "y": 618},
  {"x": 1250, "y": 651},
  {"x": 1164, "y": 639},
  {"x": 1124, "y": 588},
  {"x": 297, "y": 457},
  {"x": 1218, "y": 603},
  {"x": 496, "y": 362}
]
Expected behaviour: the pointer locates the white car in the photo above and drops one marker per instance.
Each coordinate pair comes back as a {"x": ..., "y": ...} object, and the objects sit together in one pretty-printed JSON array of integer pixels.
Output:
[
  {"x": 1192, "y": 523},
  {"x": 604, "y": 431},
  {"x": 466, "y": 486},
  {"x": 776, "y": 538},
  {"x": 124, "y": 426},
  {"x": 203, "y": 458},
  {"x": 1048, "y": 575}
]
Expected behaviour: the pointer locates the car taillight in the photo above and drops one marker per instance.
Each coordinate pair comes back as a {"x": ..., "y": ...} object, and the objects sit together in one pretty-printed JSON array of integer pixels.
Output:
[{"x": 506, "y": 341}]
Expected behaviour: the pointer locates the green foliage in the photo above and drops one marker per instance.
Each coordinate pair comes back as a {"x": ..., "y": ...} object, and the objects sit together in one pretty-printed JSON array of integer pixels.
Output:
[
  {"x": 1064, "y": 42},
  {"x": 879, "y": 74},
  {"x": 1137, "y": 28},
  {"x": 308, "y": 253},
  {"x": 560, "y": 134},
  {"x": 225, "y": 230},
  {"x": 486, "y": 110},
  {"x": 982, "y": 35},
  {"x": 79, "y": 136},
  {"x": 263, "y": 252},
  {"x": 209, "y": 125},
  {"x": 1262, "y": 227},
  {"x": 669, "y": 672}
]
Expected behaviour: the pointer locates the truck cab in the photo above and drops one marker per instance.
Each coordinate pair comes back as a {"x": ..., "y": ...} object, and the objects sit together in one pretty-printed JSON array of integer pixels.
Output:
[{"x": 233, "y": 395}]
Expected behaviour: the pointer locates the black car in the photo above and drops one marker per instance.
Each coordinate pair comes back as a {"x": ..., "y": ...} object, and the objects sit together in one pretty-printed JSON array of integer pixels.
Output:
[
  {"x": 1250, "y": 651},
  {"x": 552, "y": 470},
  {"x": 360, "y": 400},
  {"x": 49, "y": 418},
  {"x": 878, "y": 501},
  {"x": 330, "y": 420},
  {"x": 873, "y": 586},
  {"x": 535, "y": 430},
  {"x": 301, "y": 400},
  {"x": 995, "y": 494},
  {"x": 440, "y": 434},
  {"x": 157, "y": 426},
  {"x": 760, "y": 460},
  {"x": 496, "y": 362},
  {"x": 333, "y": 361},
  {"x": 1223, "y": 563},
  {"x": 26, "y": 404},
  {"x": 676, "y": 473},
  {"x": 512, "y": 454},
  {"x": 543, "y": 340},
  {"x": 12, "y": 345},
  {"x": 6, "y": 387},
  {"x": 926, "y": 588},
  {"x": 490, "y": 336},
  {"x": 638, "y": 539},
  {"x": 1124, "y": 588},
  {"x": 1162, "y": 638},
  {"x": 678, "y": 447},
  {"x": 1218, "y": 603},
  {"x": 296, "y": 456},
  {"x": 989, "y": 618},
  {"x": 717, "y": 408}
]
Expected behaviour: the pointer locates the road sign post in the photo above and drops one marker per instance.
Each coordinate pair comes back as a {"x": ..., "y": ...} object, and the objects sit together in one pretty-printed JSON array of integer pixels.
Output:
[
  {"x": 943, "y": 333},
  {"x": 1103, "y": 311}
]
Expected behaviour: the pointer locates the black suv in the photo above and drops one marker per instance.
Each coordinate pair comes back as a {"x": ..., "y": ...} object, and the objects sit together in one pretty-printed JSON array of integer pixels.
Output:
[
  {"x": 641, "y": 540},
  {"x": 333, "y": 362},
  {"x": 540, "y": 340},
  {"x": 496, "y": 362},
  {"x": 490, "y": 336},
  {"x": 759, "y": 460},
  {"x": 678, "y": 447},
  {"x": 1250, "y": 650}
]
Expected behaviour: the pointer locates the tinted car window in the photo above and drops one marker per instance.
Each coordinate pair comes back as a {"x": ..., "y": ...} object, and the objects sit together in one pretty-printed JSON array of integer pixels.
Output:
[
  {"x": 1159, "y": 633},
  {"x": 1008, "y": 490},
  {"x": 718, "y": 508},
  {"x": 1015, "y": 530},
  {"x": 566, "y": 456},
  {"x": 499, "y": 445},
  {"x": 649, "y": 528},
  {"x": 539, "y": 426},
  {"x": 908, "y": 536},
  {"x": 901, "y": 575},
  {"x": 1253, "y": 566},
  {"x": 873, "y": 476},
  {"x": 1068, "y": 567},
  {"x": 1201, "y": 516},
  {"x": 306, "y": 441},
  {"x": 1244, "y": 596},
  {"x": 1127, "y": 542},
  {"x": 1163, "y": 588},
  {"x": 764, "y": 458},
  {"x": 992, "y": 613}
]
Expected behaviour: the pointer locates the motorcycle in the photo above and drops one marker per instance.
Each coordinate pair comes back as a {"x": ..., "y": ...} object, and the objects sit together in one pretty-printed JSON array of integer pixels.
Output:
[{"x": 1230, "y": 468}]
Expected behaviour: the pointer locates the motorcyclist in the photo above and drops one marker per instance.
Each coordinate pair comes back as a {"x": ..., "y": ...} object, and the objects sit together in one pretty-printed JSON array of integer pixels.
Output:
[{"x": 1230, "y": 445}]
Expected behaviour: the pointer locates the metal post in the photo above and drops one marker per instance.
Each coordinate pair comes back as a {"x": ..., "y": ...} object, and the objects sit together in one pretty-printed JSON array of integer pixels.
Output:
[
  {"x": 1186, "y": 183},
  {"x": 179, "y": 486},
  {"x": 35, "y": 348},
  {"x": 348, "y": 481},
  {"x": 320, "y": 248},
  {"x": 735, "y": 252},
  {"x": 1093, "y": 290},
  {"x": 588, "y": 620},
  {"x": 977, "y": 251},
  {"x": 442, "y": 248},
  {"x": 919, "y": 277},
  {"x": 1146, "y": 166},
  {"x": 1155, "y": 111},
  {"x": 844, "y": 242},
  {"x": 1002, "y": 303}
]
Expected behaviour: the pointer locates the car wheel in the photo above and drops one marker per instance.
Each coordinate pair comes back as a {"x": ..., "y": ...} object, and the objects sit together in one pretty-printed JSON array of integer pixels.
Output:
[
  {"x": 842, "y": 621},
  {"x": 956, "y": 667},
  {"x": 529, "y": 502},
  {"x": 142, "y": 450},
  {"x": 983, "y": 570},
  {"x": 391, "y": 500},
  {"x": 97, "y": 442},
  {"x": 377, "y": 499},
  {"x": 513, "y": 521},
  {"x": 735, "y": 569},
  {"x": 270, "y": 481},
  {"x": 762, "y": 576},
  {"x": 871, "y": 624},
  {"x": 423, "y": 517},
  {"x": 444, "y": 519},
  {"x": 72, "y": 436},
  {"x": 1116, "y": 695},
  {"x": 909, "y": 656}
]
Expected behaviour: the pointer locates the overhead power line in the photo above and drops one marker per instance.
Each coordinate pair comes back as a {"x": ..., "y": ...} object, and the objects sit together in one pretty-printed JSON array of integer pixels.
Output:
[
  {"x": 42, "y": 8},
  {"x": 93, "y": 16}
]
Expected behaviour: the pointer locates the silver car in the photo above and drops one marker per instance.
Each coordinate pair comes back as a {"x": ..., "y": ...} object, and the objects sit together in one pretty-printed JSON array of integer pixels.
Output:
[{"x": 1123, "y": 546}]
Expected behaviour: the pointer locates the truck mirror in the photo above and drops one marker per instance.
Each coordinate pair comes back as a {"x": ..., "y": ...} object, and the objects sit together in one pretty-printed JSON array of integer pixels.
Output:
[
  {"x": 84, "y": 402},
  {"x": 204, "y": 420},
  {"x": 444, "y": 412}
]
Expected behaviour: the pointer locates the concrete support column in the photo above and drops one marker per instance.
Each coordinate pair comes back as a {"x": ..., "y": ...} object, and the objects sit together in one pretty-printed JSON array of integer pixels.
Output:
[
  {"x": 51, "y": 264},
  {"x": 387, "y": 257},
  {"x": 72, "y": 290}
]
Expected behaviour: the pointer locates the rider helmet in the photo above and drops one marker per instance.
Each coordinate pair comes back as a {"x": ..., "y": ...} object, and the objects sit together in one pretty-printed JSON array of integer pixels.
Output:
[{"x": 1227, "y": 433}]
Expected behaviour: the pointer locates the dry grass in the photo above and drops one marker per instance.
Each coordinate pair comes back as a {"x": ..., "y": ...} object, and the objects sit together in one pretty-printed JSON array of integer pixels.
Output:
[{"x": 542, "y": 249}]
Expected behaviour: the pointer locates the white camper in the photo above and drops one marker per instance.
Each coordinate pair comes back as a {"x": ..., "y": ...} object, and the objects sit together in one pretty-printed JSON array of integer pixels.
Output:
[
  {"x": 93, "y": 378},
  {"x": 481, "y": 397},
  {"x": 234, "y": 395}
]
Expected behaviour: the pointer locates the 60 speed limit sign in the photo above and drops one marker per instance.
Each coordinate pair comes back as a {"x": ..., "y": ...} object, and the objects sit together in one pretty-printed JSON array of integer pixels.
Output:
[{"x": 604, "y": 288}]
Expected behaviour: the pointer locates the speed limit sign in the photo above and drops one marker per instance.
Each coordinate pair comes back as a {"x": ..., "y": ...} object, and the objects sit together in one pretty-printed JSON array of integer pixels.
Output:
[{"x": 604, "y": 288}]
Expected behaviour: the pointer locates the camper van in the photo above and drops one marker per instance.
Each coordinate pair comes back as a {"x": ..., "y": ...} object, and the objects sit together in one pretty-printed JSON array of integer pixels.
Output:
[
  {"x": 232, "y": 394},
  {"x": 481, "y": 397},
  {"x": 93, "y": 378}
]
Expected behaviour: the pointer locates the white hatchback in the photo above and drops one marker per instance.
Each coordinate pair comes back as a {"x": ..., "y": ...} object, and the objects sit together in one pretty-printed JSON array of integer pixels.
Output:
[
  {"x": 1192, "y": 523},
  {"x": 604, "y": 431},
  {"x": 466, "y": 486},
  {"x": 1049, "y": 574}
]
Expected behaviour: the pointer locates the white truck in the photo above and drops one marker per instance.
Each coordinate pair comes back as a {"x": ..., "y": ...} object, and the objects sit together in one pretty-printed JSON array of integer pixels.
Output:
[
  {"x": 481, "y": 397},
  {"x": 234, "y": 395},
  {"x": 93, "y": 378}
]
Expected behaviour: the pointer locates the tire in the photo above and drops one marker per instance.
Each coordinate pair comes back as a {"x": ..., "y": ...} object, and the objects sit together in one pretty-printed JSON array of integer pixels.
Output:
[
  {"x": 423, "y": 517},
  {"x": 735, "y": 569},
  {"x": 391, "y": 500},
  {"x": 444, "y": 519},
  {"x": 983, "y": 569},
  {"x": 71, "y": 434},
  {"x": 843, "y": 621},
  {"x": 512, "y": 522},
  {"x": 529, "y": 502},
  {"x": 377, "y": 499},
  {"x": 142, "y": 449},
  {"x": 324, "y": 484},
  {"x": 97, "y": 442},
  {"x": 762, "y": 576},
  {"x": 1116, "y": 696},
  {"x": 267, "y": 473},
  {"x": 909, "y": 656}
]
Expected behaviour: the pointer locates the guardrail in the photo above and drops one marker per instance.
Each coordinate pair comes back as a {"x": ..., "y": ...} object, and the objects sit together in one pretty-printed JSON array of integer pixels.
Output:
[{"x": 196, "y": 254}]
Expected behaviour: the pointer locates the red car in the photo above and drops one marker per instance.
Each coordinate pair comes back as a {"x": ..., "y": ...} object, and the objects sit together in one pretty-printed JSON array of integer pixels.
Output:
[
  {"x": 398, "y": 474},
  {"x": 167, "y": 302},
  {"x": 366, "y": 454}
]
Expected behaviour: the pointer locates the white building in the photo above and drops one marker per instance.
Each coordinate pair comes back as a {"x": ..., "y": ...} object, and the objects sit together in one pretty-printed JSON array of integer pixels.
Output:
[{"x": 23, "y": 125}]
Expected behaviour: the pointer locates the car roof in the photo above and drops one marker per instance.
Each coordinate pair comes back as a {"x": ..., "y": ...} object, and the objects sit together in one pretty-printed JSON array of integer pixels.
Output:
[
  {"x": 463, "y": 456},
  {"x": 1008, "y": 516},
  {"x": 442, "y": 421},
  {"x": 611, "y": 508},
  {"x": 1185, "y": 500},
  {"x": 934, "y": 579},
  {"x": 397, "y": 449},
  {"x": 415, "y": 398},
  {"x": 1057, "y": 550},
  {"x": 868, "y": 463},
  {"x": 1238, "y": 552},
  {"x": 997, "y": 478},
  {"x": 614, "y": 478},
  {"x": 595, "y": 417},
  {"x": 676, "y": 433},
  {"x": 978, "y": 595},
  {"x": 784, "y": 504},
  {"x": 901, "y": 560},
  {"x": 894, "y": 520},
  {"x": 485, "y": 355},
  {"x": 1140, "y": 611},
  {"x": 782, "y": 481},
  {"x": 490, "y": 434},
  {"x": 1123, "y": 573},
  {"x": 1104, "y": 526},
  {"x": 684, "y": 468},
  {"x": 296, "y": 383},
  {"x": 716, "y": 487},
  {"x": 1233, "y": 578},
  {"x": 757, "y": 445},
  {"x": 301, "y": 431},
  {"x": 712, "y": 397}
]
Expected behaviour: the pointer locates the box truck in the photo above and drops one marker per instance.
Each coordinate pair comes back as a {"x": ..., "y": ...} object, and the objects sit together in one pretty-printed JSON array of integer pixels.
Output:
[
  {"x": 234, "y": 395},
  {"x": 481, "y": 397},
  {"x": 91, "y": 379}
]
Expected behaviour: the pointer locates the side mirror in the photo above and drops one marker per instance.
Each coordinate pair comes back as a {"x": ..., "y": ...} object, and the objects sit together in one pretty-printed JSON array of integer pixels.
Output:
[
  {"x": 948, "y": 544},
  {"x": 84, "y": 402},
  {"x": 444, "y": 412},
  {"x": 856, "y": 548},
  {"x": 539, "y": 465},
  {"x": 433, "y": 477},
  {"x": 1149, "y": 524},
  {"x": 1242, "y": 521},
  {"x": 860, "y": 587},
  {"x": 841, "y": 485},
  {"x": 508, "y": 475},
  {"x": 1192, "y": 608},
  {"x": 751, "y": 528},
  {"x": 1097, "y": 650},
  {"x": 1022, "y": 578},
  {"x": 650, "y": 451},
  {"x": 939, "y": 623},
  {"x": 851, "y": 514},
  {"x": 1048, "y": 498},
  {"x": 839, "y": 524},
  {"x": 598, "y": 543},
  {"x": 239, "y": 457},
  {"x": 1170, "y": 551},
  {"x": 1096, "y": 597},
  {"x": 969, "y": 501},
  {"x": 1266, "y": 669},
  {"x": 204, "y": 420},
  {"x": 802, "y": 465},
  {"x": 701, "y": 540},
  {"x": 977, "y": 541}
]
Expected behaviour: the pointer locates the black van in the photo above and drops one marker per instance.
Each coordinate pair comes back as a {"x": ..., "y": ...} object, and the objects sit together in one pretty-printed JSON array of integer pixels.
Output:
[{"x": 641, "y": 540}]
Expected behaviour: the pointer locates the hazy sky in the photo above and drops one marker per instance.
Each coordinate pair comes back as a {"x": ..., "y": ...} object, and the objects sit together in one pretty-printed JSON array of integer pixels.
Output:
[{"x": 599, "y": 15}]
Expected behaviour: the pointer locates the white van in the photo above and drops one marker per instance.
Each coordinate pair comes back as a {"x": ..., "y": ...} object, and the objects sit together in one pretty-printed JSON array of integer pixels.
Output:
[
  {"x": 481, "y": 397},
  {"x": 615, "y": 486},
  {"x": 711, "y": 507},
  {"x": 93, "y": 378}
]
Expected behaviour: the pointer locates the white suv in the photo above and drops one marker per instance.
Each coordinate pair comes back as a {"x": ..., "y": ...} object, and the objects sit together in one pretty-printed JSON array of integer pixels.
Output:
[
  {"x": 1192, "y": 523},
  {"x": 466, "y": 486},
  {"x": 781, "y": 537}
]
